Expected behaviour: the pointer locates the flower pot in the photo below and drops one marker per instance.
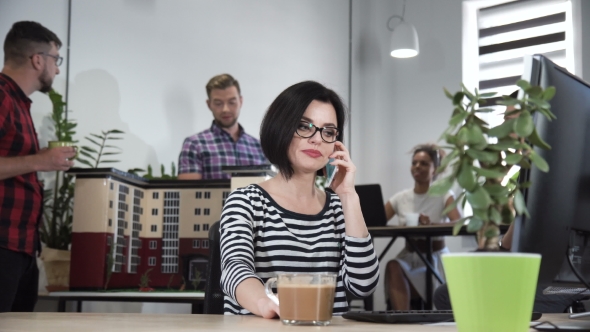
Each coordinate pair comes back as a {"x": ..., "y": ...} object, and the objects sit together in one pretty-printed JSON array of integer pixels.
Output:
[
  {"x": 57, "y": 268},
  {"x": 492, "y": 291}
]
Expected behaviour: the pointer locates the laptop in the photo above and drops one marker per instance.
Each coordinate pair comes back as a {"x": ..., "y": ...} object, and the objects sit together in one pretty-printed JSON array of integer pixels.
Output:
[{"x": 371, "y": 200}]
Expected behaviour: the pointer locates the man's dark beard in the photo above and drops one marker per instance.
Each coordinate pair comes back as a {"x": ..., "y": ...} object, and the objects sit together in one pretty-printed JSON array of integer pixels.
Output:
[{"x": 45, "y": 83}]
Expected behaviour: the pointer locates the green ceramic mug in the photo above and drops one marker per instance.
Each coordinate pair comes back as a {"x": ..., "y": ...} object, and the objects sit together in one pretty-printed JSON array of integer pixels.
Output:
[{"x": 57, "y": 144}]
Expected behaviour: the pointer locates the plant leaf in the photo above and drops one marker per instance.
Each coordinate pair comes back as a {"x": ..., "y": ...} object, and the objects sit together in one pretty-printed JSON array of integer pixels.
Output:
[
  {"x": 479, "y": 198},
  {"x": 441, "y": 187},
  {"x": 93, "y": 141},
  {"x": 458, "y": 118},
  {"x": 458, "y": 225},
  {"x": 523, "y": 84},
  {"x": 536, "y": 140},
  {"x": 86, "y": 154},
  {"x": 457, "y": 98},
  {"x": 489, "y": 173},
  {"x": 524, "y": 124},
  {"x": 446, "y": 160},
  {"x": 503, "y": 129},
  {"x": 88, "y": 149},
  {"x": 539, "y": 162},
  {"x": 549, "y": 93},
  {"x": 495, "y": 189},
  {"x": 453, "y": 205},
  {"x": 495, "y": 216},
  {"x": 85, "y": 162},
  {"x": 513, "y": 158},
  {"x": 534, "y": 91},
  {"x": 466, "y": 177},
  {"x": 485, "y": 156},
  {"x": 519, "y": 203},
  {"x": 448, "y": 94},
  {"x": 474, "y": 225}
]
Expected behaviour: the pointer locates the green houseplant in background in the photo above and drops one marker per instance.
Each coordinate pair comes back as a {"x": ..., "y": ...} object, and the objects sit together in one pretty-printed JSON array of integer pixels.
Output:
[
  {"x": 492, "y": 291},
  {"x": 55, "y": 230},
  {"x": 479, "y": 166}
]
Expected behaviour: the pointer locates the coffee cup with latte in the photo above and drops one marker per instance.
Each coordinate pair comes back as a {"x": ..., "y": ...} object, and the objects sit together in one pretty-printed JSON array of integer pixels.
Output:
[{"x": 305, "y": 298}]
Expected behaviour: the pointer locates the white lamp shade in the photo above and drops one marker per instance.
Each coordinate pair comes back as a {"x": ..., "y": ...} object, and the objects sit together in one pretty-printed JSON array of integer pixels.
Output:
[{"x": 404, "y": 41}]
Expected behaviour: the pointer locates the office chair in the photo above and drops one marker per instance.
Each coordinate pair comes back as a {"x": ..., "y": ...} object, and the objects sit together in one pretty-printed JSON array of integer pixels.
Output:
[{"x": 213, "y": 293}]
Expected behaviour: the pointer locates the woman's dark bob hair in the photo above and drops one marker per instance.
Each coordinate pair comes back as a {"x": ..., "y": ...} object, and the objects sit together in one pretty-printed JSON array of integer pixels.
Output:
[{"x": 284, "y": 114}]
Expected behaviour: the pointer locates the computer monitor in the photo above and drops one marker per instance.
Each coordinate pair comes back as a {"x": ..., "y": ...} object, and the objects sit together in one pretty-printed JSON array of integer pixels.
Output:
[{"x": 559, "y": 201}]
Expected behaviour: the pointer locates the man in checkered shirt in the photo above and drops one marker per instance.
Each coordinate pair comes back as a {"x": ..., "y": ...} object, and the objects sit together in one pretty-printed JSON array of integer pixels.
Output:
[
  {"x": 225, "y": 143},
  {"x": 31, "y": 61}
]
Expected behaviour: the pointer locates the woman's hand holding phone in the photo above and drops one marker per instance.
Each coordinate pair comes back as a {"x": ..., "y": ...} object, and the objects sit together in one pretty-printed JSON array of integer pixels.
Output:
[{"x": 343, "y": 178}]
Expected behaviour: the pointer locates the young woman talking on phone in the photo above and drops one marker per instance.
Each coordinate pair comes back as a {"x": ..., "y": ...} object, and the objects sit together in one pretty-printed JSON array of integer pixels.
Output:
[
  {"x": 405, "y": 276},
  {"x": 286, "y": 224}
]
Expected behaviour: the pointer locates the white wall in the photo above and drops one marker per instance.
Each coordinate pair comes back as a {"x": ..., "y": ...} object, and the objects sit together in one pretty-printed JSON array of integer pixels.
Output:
[
  {"x": 399, "y": 103},
  {"x": 142, "y": 66}
]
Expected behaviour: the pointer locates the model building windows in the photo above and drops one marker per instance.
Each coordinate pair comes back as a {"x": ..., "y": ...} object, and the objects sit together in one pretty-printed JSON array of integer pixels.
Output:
[
  {"x": 197, "y": 227},
  {"x": 196, "y": 244},
  {"x": 153, "y": 244},
  {"x": 154, "y": 212},
  {"x": 199, "y": 195},
  {"x": 155, "y": 195},
  {"x": 206, "y": 211},
  {"x": 110, "y": 222},
  {"x": 109, "y": 240},
  {"x": 205, "y": 244},
  {"x": 110, "y": 204},
  {"x": 207, "y": 194},
  {"x": 225, "y": 195},
  {"x": 205, "y": 227},
  {"x": 197, "y": 211},
  {"x": 112, "y": 186},
  {"x": 154, "y": 228},
  {"x": 152, "y": 261}
]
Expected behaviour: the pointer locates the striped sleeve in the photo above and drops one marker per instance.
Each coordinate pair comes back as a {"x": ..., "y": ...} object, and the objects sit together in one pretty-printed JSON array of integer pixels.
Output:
[
  {"x": 237, "y": 246},
  {"x": 360, "y": 268}
]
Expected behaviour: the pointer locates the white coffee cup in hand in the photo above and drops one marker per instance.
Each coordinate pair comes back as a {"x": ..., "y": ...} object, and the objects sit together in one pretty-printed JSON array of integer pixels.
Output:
[{"x": 412, "y": 218}]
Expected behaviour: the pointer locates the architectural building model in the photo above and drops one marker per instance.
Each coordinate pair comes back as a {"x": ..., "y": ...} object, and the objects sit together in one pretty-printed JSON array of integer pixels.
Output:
[{"x": 129, "y": 231}]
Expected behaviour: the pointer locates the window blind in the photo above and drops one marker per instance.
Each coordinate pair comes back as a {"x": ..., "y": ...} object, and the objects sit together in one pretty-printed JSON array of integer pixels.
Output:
[{"x": 509, "y": 31}]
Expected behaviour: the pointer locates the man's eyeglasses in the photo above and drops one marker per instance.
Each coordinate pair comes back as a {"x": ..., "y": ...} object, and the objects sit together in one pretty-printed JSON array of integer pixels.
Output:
[
  {"x": 58, "y": 59},
  {"x": 307, "y": 130}
]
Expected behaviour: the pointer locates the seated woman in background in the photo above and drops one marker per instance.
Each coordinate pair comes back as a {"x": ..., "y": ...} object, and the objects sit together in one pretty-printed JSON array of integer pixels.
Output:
[
  {"x": 405, "y": 276},
  {"x": 286, "y": 224}
]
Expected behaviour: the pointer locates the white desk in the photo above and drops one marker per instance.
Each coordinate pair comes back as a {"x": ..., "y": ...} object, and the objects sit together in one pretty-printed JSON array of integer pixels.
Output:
[{"x": 87, "y": 322}]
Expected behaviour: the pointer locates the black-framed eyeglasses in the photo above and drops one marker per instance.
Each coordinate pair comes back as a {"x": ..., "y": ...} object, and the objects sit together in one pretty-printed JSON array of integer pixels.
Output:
[
  {"x": 58, "y": 59},
  {"x": 307, "y": 130}
]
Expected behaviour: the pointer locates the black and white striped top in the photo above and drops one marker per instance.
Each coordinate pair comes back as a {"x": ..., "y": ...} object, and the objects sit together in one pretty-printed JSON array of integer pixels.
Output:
[{"x": 259, "y": 239}]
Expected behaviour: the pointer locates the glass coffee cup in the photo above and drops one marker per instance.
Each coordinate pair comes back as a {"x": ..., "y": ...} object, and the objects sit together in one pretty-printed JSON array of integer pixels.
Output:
[
  {"x": 305, "y": 298},
  {"x": 58, "y": 144}
]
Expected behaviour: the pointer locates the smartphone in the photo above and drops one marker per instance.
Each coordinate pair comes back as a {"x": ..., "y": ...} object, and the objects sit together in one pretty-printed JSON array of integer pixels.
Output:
[{"x": 331, "y": 170}]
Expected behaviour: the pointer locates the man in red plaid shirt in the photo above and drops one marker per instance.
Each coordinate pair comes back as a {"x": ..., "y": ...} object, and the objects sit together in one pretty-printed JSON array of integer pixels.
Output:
[{"x": 31, "y": 61}]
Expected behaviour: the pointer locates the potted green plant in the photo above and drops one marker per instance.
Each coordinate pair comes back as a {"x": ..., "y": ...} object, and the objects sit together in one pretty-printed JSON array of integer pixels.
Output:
[
  {"x": 479, "y": 160},
  {"x": 55, "y": 230}
]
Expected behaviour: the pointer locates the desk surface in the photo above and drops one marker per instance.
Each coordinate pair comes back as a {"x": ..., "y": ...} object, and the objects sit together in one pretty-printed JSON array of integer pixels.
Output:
[{"x": 87, "y": 322}]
